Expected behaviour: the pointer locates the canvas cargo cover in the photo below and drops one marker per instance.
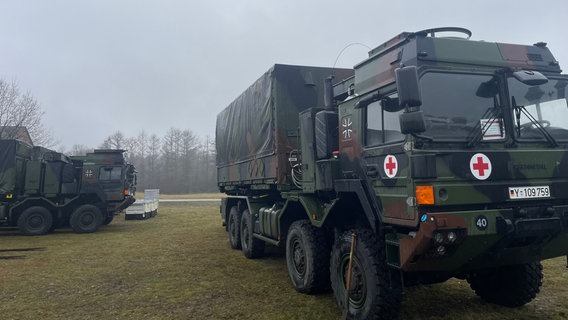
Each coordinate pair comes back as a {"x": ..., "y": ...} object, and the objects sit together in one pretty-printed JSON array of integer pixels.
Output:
[{"x": 257, "y": 131}]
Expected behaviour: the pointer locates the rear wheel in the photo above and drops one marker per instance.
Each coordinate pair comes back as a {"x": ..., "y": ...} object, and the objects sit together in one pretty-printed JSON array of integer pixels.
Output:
[
  {"x": 35, "y": 221},
  {"x": 86, "y": 219},
  {"x": 307, "y": 257},
  {"x": 373, "y": 293},
  {"x": 252, "y": 247},
  {"x": 234, "y": 228},
  {"x": 510, "y": 286}
]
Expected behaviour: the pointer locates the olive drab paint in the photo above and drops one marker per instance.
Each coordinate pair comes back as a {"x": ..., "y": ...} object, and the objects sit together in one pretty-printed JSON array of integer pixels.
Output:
[
  {"x": 41, "y": 189},
  {"x": 446, "y": 156}
]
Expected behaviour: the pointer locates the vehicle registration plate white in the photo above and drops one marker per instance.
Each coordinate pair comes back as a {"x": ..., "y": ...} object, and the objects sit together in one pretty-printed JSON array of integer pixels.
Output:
[{"x": 529, "y": 192}]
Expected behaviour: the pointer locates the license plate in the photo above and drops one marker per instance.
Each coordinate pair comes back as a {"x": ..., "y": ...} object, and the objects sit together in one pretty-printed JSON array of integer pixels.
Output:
[{"x": 529, "y": 192}]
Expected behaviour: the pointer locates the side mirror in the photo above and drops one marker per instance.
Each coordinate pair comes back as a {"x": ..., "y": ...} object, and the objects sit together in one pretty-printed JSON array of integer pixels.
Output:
[
  {"x": 409, "y": 96},
  {"x": 408, "y": 87},
  {"x": 412, "y": 122}
]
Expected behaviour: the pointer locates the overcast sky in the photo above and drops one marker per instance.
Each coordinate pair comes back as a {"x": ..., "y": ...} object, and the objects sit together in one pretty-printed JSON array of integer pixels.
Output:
[{"x": 100, "y": 66}]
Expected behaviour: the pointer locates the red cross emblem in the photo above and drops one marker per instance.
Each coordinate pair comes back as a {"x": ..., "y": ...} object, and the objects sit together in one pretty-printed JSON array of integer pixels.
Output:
[
  {"x": 480, "y": 166},
  {"x": 390, "y": 166}
]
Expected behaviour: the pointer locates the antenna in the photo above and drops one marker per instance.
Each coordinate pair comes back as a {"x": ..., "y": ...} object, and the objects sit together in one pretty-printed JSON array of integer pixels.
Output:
[{"x": 345, "y": 48}]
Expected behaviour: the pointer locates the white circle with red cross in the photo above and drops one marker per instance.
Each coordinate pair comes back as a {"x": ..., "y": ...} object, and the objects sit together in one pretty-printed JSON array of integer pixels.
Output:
[
  {"x": 480, "y": 166},
  {"x": 390, "y": 166}
]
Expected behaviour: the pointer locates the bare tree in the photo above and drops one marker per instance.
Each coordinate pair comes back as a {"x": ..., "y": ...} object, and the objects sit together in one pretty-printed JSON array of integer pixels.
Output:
[
  {"x": 179, "y": 162},
  {"x": 189, "y": 166},
  {"x": 79, "y": 150},
  {"x": 20, "y": 110},
  {"x": 171, "y": 153},
  {"x": 151, "y": 176},
  {"x": 114, "y": 141}
]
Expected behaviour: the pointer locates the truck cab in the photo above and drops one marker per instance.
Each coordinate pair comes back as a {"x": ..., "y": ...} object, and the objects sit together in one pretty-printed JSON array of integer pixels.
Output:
[{"x": 462, "y": 143}]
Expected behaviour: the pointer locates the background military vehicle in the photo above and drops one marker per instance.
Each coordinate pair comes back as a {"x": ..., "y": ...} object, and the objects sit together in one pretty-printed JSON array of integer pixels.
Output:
[
  {"x": 439, "y": 157},
  {"x": 41, "y": 189}
]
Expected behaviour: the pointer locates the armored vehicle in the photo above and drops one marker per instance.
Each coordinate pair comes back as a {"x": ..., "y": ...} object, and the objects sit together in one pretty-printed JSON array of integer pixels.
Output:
[
  {"x": 41, "y": 190},
  {"x": 436, "y": 157}
]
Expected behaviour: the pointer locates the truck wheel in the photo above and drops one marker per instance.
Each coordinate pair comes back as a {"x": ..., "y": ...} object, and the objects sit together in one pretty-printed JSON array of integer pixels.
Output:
[
  {"x": 86, "y": 219},
  {"x": 35, "y": 221},
  {"x": 307, "y": 257},
  {"x": 510, "y": 286},
  {"x": 374, "y": 293},
  {"x": 234, "y": 228},
  {"x": 252, "y": 247}
]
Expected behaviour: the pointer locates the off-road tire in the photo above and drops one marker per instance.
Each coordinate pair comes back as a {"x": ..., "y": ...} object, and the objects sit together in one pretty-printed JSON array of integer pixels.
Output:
[
  {"x": 510, "y": 286},
  {"x": 234, "y": 228},
  {"x": 86, "y": 219},
  {"x": 307, "y": 257},
  {"x": 35, "y": 221},
  {"x": 376, "y": 291},
  {"x": 252, "y": 247}
]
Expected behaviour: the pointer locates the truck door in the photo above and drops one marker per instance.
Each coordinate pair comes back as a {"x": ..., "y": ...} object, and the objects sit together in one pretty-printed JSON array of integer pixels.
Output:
[
  {"x": 110, "y": 179},
  {"x": 385, "y": 161}
]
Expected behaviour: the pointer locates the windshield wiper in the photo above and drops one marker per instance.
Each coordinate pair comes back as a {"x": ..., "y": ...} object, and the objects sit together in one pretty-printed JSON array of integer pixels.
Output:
[{"x": 535, "y": 122}]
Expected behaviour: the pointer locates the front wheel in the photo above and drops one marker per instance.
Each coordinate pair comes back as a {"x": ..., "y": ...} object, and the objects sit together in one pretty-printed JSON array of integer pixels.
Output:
[
  {"x": 510, "y": 286},
  {"x": 35, "y": 221},
  {"x": 373, "y": 293},
  {"x": 86, "y": 219},
  {"x": 307, "y": 257}
]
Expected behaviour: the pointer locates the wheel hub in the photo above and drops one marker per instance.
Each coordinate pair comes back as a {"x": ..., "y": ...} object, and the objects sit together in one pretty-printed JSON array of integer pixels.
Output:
[
  {"x": 299, "y": 258},
  {"x": 358, "y": 284}
]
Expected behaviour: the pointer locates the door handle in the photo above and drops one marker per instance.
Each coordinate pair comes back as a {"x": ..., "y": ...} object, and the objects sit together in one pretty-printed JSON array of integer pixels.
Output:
[{"x": 372, "y": 172}]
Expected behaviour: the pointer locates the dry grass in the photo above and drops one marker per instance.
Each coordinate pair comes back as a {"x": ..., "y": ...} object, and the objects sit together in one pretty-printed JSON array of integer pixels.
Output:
[{"x": 179, "y": 265}]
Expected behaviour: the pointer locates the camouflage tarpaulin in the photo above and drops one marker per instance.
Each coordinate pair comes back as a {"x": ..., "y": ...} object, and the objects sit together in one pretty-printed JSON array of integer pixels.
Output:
[
  {"x": 257, "y": 131},
  {"x": 244, "y": 128}
]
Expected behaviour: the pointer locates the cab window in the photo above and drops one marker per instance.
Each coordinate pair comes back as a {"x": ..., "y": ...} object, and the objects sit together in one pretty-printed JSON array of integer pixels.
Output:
[
  {"x": 110, "y": 173},
  {"x": 383, "y": 126}
]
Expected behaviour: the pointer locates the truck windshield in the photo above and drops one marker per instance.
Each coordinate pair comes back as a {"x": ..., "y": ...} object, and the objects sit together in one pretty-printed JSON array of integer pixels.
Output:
[
  {"x": 455, "y": 104},
  {"x": 545, "y": 103}
]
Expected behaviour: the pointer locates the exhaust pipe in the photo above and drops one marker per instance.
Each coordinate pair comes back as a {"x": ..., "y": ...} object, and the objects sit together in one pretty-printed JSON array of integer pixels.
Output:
[{"x": 328, "y": 93}]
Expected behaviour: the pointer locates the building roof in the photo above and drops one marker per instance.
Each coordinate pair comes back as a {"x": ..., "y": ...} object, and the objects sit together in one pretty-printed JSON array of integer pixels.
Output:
[{"x": 15, "y": 132}]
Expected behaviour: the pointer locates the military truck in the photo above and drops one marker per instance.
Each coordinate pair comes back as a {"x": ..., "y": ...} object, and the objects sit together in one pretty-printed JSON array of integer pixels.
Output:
[
  {"x": 41, "y": 190},
  {"x": 439, "y": 157}
]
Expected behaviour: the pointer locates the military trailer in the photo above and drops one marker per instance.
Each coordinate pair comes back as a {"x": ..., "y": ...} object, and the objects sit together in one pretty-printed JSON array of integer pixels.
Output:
[
  {"x": 440, "y": 157},
  {"x": 41, "y": 190}
]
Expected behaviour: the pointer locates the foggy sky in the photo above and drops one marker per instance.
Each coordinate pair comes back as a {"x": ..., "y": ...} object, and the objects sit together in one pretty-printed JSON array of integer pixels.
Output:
[{"x": 100, "y": 66}]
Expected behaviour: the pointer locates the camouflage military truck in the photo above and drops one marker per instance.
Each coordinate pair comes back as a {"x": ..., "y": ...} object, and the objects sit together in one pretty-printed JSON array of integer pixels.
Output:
[
  {"x": 41, "y": 190},
  {"x": 439, "y": 157}
]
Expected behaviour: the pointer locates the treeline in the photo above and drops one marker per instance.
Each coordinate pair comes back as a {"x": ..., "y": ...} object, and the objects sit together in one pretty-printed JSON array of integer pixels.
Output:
[{"x": 177, "y": 163}]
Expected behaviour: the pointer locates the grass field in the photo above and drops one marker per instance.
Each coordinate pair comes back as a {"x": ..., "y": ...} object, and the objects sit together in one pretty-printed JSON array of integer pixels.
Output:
[{"x": 179, "y": 265}]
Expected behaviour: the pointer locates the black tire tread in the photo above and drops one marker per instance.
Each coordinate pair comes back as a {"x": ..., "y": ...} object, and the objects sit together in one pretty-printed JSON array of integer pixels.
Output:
[
  {"x": 255, "y": 247},
  {"x": 75, "y": 221},
  {"x": 510, "y": 286},
  {"x": 315, "y": 240},
  {"x": 29, "y": 231},
  {"x": 234, "y": 218},
  {"x": 388, "y": 289}
]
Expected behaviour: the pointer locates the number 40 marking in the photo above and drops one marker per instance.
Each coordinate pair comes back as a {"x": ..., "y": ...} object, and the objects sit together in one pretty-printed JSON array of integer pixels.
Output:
[{"x": 481, "y": 222}]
